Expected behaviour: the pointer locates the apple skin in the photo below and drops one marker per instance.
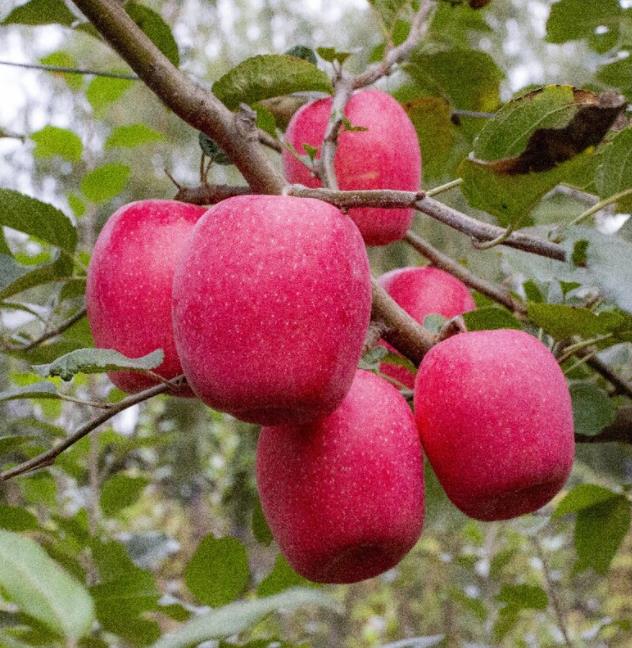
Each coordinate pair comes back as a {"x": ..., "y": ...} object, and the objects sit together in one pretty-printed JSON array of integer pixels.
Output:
[
  {"x": 422, "y": 292},
  {"x": 128, "y": 292},
  {"x": 385, "y": 156},
  {"x": 272, "y": 300},
  {"x": 344, "y": 496},
  {"x": 494, "y": 414}
]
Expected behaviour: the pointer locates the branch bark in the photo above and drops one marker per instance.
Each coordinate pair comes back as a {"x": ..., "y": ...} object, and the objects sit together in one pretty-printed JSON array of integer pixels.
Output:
[{"x": 193, "y": 104}]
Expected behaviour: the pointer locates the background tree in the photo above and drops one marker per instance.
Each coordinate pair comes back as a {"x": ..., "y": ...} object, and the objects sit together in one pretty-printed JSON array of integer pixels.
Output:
[{"x": 153, "y": 514}]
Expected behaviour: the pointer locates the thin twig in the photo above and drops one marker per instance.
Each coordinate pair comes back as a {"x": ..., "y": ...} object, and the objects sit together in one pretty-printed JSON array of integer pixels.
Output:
[
  {"x": 552, "y": 591},
  {"x": 48, "y": 458},
  {"x": 60, "y": 69},
  {"x": 444, "y": 262},
  {"x": 418, "y": 30},
  {"x": 58, "y": 330}
]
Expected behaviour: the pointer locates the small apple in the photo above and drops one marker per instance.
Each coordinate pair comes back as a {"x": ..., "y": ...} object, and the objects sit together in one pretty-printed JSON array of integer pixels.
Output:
[
  {"x": 272, "y": 300},
  {"x": 494, "y": 414},
  {"x": 128, "y": 293},
  {"x": 344, "y": 496},
  {"x": 382, "y": 154},
  {"x": 422, "y": 292}
]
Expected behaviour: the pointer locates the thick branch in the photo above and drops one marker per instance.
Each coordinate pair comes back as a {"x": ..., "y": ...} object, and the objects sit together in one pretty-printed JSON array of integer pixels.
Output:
[
  {"x": 48, "y": 458},
  {"x": 195, "y": 105},
  {"x": 206, "y": 194},
  {"x": 402, "y": 331},
  {"x": 393, "y": 198}
]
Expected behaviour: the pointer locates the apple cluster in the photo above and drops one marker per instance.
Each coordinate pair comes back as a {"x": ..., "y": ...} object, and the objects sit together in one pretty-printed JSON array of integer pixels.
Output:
[{"x": 263, "y": 302}]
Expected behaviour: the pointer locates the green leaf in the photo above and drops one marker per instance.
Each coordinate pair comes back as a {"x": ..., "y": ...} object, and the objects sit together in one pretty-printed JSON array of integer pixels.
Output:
[
  {"x": 524, "y": 596},
  {"x": 156, "y": 29},
  {"x": 15, "y": 518},
  {"x": 211, "y": 149},
  {"x": 599, "y": 531},
  {"x": 281, "y": 578},
  {"x": 120, "y": 491},
  {"x": 574, "y": 19},
  {"x": 582, "y": 497},
  {"x": 40, "y": 12},
  {"x": 614, "y": 173},
  {"x": 237, "y": 617},
  {"x": 618, "y": 75},
  {"x": 389, "y": 11},
  {"x": 490, "y": 317},
  {"x": 37, "y": 218},
  {"x": 64, "y": 59},
  {"x": 260, "y": 528},
  {"x": 592, "y": 409},
  {"x": 41, "y": 589},
  {"x": 331, "y": 54},
  {"x": 533, "y": 143},
  {"x": 15, "y": 278},
  {"x": 132, "y": 135},
  {"x": 105, "y": 182},
  {"x": 431, "y": 117},
  {"x": 563, "y": 321},
  {"x": 52, "y": 141},
  {"x": 37, "y": 390},
  {"x": 103, "y": 91},
  {"x": 218, "y": 572},
  {"x": 303, "y": 52},
  {"x": 468, "y": 78},
  {"x": 98, "y": 361},
  {"x": 607, "y": 262},
  {"x": 266, "y": 76}
]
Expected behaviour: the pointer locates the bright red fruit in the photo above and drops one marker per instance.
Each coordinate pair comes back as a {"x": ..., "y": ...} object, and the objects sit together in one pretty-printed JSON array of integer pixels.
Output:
[
  {"x": 272, "y": 300},
  {"x": 422, "y": 292},
  {"x": 344, "y": 496},
  {"x": 128, "y": 292},
  {"x": 494, "y": 413},
  {"x": 384, "y": 156}
]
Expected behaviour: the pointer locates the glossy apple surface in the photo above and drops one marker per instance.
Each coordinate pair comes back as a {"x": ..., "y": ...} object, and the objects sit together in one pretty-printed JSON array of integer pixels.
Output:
[
  {"x": 495, "y": 419},
  {"x": 344, "y": 496},
  {"x": 422, "y": 292},
  {"x": 128, "y": 293},
  {"x": 384, "y": 156},
  {"x": 272, "y": 301}
]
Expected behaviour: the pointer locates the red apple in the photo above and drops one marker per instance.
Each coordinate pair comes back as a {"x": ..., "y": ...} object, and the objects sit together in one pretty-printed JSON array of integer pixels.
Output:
[
  {"x": 272, "y": 300},
  {"x": 494, "y": 413},
  {"x": 422, "y": 292},
  {"x": 344, "y": 496},
  {"x": 384, "y": 156},
  {"x": 128, "y": 292}
]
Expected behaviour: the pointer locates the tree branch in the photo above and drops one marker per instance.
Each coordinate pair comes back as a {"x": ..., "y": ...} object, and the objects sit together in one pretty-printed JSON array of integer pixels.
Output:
[
  {"x": 58, "y": 330},
  {"x": 59, "y": 69},
  {"x": 48, "y": 458},
  {"x": 444, "y": 262},
  {"x": 195, "y": 105},
  {"x": 401, "y": 330},
  {"x": 418, "y": 29}
]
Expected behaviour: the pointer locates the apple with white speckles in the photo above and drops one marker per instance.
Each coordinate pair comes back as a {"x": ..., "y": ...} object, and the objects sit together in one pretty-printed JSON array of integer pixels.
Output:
[
  {"x": 383, "y": 153},
  {"x": 272, "y": 300},
  {"x": 128, "y": 293},
  {"x": 344, "y": 496},
  {"x": 494, "y": 414},
  {"x": 422, "y": 292}
]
